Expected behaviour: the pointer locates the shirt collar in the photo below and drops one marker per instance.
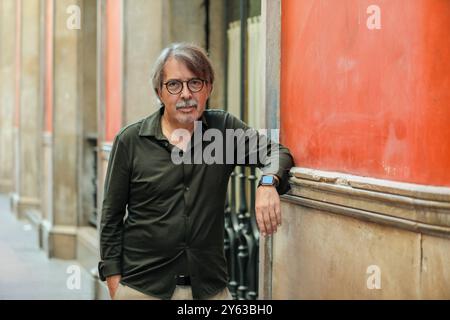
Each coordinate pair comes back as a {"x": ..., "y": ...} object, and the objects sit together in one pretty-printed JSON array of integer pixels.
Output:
[{"x": 151, "y": 126}]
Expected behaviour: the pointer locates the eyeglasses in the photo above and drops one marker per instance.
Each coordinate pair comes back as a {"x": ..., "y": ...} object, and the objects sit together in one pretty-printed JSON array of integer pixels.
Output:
[{"x": 176, "y": 86}]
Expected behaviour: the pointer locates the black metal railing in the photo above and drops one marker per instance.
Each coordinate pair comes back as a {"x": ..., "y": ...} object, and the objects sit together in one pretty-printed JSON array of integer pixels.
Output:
[
  {"x": 241, "y": 231},
  {"x": 92, "y": 172},
  {"x": 242, "y": 236}
]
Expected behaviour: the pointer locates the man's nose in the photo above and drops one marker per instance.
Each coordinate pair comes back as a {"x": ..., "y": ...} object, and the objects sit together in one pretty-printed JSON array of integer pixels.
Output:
[{"x": 185, "y": 92}]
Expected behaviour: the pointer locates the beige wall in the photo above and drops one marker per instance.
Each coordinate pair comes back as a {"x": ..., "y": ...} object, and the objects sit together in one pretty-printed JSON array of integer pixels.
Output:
[
  {"x": 186, "y": 23},
  {"x": 217, "y": 51},
  {"x": 31, "y": 116},
  {"x": 66, "y": 117},
  {"x": 143, "y": 25},
  {"x": 324, "y": 249},
  {"x": 7, "y": 74}
]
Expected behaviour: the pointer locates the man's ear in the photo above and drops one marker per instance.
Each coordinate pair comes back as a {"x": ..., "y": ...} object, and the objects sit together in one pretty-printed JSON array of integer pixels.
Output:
[
  {"x": 158, "y": 97},
  {"x": 158, "y": 94},
  {"x": 211, "y": 87}
]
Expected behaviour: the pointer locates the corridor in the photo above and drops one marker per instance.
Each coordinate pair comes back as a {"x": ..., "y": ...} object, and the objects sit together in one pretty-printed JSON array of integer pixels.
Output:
[{"x": 26, "y": 272}]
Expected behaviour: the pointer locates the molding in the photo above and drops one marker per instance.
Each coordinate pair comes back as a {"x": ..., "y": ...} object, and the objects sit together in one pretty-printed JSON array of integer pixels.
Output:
[
  {"x": 401, "y": 205},
  {"x": 417, "y": 191},
  {"x": 28, "y": 201},
  {"x": 64, "y": 230}
]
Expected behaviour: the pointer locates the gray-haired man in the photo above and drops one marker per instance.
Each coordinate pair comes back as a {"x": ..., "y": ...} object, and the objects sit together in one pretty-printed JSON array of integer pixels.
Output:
[{"x": 170, "y": 245}]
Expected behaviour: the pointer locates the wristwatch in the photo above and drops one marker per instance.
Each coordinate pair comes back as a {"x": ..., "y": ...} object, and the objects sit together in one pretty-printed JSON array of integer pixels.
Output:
[{"x": 268, "y": 180}]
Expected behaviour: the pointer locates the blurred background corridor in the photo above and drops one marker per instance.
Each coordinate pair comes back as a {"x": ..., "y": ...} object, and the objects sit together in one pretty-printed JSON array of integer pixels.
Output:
[{"x": 26, "y": 271}]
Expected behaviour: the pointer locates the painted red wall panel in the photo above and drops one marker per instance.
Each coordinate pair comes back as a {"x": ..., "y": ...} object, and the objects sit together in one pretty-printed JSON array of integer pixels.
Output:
[
  {"x": 113, "y": 69},
  {"x": 368, "y": 102}
]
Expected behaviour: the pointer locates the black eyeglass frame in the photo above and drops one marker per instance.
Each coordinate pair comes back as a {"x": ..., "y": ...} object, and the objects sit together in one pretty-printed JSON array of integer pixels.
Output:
[{"x": 187, "y": 84}]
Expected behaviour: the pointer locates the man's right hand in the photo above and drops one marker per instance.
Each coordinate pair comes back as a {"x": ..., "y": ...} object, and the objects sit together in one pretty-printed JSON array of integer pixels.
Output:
[{"x": 113, "y": 284}]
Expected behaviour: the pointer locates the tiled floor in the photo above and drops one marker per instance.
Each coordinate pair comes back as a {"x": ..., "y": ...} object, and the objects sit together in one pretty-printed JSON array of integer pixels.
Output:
[{"x": 25, "y": 270}]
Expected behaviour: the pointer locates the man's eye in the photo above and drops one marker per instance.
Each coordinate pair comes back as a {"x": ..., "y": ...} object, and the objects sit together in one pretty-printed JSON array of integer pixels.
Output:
[
  {"x": 196, "y": 82},
  {"x": 173, "y": 84}
]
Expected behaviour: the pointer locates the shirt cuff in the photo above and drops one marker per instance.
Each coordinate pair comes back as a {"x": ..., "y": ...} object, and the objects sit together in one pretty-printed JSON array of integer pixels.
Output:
[{"x": 109, "y": 268}]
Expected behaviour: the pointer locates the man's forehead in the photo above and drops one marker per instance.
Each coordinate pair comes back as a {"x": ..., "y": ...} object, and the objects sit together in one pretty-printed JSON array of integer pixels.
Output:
[{"x": 177, "y": 69}]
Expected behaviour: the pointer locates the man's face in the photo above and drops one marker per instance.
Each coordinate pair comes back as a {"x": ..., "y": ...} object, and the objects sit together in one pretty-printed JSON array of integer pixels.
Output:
[{"x": 185, "y": 107}]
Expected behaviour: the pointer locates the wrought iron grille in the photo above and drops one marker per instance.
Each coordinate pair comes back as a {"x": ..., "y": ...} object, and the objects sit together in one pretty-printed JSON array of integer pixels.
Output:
[{"x": 242, "y": 235}]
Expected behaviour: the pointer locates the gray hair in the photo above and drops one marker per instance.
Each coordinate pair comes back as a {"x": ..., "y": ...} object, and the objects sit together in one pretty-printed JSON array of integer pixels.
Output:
[{"x": 194, "y": 57}]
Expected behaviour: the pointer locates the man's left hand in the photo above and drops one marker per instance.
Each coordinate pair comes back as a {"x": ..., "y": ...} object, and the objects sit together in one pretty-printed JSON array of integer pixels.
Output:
[{"x": 268, "y": 212}]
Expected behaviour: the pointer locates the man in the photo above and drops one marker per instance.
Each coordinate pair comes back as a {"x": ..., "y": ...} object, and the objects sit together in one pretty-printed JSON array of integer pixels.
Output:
[{"x": 170, "y": 243}]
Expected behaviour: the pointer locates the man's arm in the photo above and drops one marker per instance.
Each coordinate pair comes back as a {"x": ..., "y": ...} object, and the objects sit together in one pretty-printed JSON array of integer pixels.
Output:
[
  {"x": 267, "y": 200},
  {"x": 113, "y": 211},
  {"x": 273, "y": 159}
]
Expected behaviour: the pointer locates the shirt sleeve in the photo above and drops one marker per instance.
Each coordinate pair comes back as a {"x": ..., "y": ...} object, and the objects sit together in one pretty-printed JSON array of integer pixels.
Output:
[
  {"x": 254, "y": 148},
  {"x": 113, "y": 210}
]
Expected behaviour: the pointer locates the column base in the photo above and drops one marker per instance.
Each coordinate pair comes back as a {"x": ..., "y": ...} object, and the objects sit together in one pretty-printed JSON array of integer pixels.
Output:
[
  {"x": 59, "y": 241},
  {"x": 14, "y": 203},
  {"x": 35, "y": 219},
  {"x": 20, "y": 206}
]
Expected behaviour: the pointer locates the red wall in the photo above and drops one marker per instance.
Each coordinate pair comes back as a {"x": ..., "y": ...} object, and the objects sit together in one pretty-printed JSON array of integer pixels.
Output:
[
  {"x": 368, "y": 102},
  {"x": 113, "y": 69}
]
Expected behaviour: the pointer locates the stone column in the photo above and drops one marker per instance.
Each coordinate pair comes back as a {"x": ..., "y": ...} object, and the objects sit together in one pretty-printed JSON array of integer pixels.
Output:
[
  {"x": 62, "y": 228},
  {"x": 47, "y": 134},
  {"x": 29, "y": 118},
  {"x": 7, "y": 72},
  {"x": 142, "y": 41},
  {"x": 109, "y": 84},
  {"x": 217, "y": 50}
]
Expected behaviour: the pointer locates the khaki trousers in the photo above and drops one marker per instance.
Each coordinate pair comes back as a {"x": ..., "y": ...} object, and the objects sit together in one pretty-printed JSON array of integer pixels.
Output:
[{"x": 181, "y": 293}]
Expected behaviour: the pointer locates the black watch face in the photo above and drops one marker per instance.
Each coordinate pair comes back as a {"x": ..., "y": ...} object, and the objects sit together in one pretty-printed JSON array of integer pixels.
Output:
[{"x": 267, "y": 180}]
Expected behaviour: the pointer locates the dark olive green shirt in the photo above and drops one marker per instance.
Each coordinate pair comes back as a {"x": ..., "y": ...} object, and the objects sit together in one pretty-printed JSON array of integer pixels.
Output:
[{"x": 161, "y": 219}]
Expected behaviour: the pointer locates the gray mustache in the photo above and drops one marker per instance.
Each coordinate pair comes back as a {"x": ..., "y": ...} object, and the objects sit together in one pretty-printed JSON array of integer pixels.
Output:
[{"x": 186, "y": 104}]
